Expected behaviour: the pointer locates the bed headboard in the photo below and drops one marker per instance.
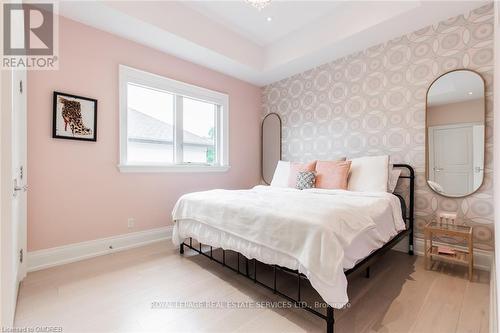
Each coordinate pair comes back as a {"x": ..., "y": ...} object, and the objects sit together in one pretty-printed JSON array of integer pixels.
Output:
[{"x": 409, "y": 200}]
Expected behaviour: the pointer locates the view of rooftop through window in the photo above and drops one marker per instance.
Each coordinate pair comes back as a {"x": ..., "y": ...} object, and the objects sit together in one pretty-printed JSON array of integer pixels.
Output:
[{"x": 151, "y": 127}]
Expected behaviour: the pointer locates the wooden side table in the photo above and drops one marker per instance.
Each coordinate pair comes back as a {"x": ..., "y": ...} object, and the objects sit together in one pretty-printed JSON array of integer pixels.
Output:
[{"x": 459, "y": 256}]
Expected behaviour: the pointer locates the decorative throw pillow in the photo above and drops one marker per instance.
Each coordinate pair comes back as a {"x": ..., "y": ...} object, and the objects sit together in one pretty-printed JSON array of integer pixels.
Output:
[
  {"x": 281, "y": 174},
  {"x": 332, "y": 174},
  {"x": 369, "y": 174},
  {"x": 305, "y": 180},
  {"x": 295, "y": 168}
]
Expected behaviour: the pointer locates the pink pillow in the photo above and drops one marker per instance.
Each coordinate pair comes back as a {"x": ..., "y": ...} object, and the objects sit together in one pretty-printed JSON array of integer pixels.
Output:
[
  {"x": 295, "y": 168},
  {"x": 332, "y": 174}
]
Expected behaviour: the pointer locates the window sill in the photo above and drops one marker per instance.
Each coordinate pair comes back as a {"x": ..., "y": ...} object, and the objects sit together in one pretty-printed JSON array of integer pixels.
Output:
[{"x": 130, "y": 168}]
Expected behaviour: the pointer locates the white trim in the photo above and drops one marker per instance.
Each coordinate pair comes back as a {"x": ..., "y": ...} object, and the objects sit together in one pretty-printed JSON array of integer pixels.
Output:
[
  {"x": 430, "y": 173},
  {"x": 178, "y": 133},
  {"x": 173, "y": 86},
  {"x": 482, "y": 258},
  {"x": 65, "y": 254},
  {"x": 496, "y": 168},
  {"x": 178, "y": 88},
  {"x": 8, "y": 239},
  {"x": 493, "y": 299},
  {"x": 61, "y": 255},
  {"x": 122, "y": 114},
  {"x": 130, "y": 168},
  {"x": 457, "y": 125}
]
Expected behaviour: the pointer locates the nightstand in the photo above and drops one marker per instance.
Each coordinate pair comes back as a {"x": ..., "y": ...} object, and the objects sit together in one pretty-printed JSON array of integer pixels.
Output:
[{"x": 454, "y": 254}]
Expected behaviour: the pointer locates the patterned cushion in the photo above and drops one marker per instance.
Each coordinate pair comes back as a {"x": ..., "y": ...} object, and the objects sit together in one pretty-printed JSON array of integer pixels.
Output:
[
  {"x": 305, "y": 180},
  {"x": 295, "y": 168}
]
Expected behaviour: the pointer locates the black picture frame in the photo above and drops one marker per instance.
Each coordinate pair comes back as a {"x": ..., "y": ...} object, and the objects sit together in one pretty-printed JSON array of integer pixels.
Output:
[{"x": 70, "y": 135}]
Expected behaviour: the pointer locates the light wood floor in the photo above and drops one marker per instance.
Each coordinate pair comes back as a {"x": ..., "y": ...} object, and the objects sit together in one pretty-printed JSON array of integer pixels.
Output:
[{"x": 114, "y": 293}]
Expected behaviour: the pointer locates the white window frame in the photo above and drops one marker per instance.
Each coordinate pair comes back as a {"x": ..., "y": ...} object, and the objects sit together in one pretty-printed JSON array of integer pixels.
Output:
[{"x": 178, "y": 88}]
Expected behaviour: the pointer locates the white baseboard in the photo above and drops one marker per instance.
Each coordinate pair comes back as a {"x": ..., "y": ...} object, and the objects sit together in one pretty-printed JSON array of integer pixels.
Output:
[
  {"x": 493, "y": 299},
  {"x": 482, "y": 258},
  {"x": 79, "y": 251},
  {"x": 74, "y": 252}
]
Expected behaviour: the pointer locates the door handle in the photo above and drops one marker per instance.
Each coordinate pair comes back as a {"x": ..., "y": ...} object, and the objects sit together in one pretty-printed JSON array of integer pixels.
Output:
[
  {"x": 438, "y": 169},
  {"x": 19, "y": 188},
  {"x": 23, "y": 188}
]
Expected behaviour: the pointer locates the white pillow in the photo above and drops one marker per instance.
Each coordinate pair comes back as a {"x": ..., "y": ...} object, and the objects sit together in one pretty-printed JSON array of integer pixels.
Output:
[
  {"x": 281, "y": 173},
  {"x": 369, "y": 174},
  {"x": 393, "y": 179}
]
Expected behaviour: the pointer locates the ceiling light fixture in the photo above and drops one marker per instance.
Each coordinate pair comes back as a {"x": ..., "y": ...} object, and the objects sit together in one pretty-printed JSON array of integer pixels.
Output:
[
  {"x": 269, "y": 19},
  {"x": 259, "y": 4},
  {"x": 470, "y": 92}
]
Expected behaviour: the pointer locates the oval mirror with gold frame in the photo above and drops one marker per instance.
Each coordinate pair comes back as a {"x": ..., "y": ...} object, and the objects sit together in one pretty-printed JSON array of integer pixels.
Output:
[{"x": 455, "y": 133}]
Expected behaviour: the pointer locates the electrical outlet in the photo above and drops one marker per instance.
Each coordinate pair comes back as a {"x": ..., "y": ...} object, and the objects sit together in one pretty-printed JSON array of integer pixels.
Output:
[{"x": 130, "y": 222}]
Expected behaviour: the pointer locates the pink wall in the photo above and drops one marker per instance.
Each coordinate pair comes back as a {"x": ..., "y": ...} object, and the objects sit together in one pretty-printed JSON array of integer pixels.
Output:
[
  {"x": 76, "y": 191},
  {"x": 455, "y": 113}
]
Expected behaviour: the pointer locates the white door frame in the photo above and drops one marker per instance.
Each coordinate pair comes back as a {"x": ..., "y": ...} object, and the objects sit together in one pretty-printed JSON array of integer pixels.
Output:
[
  {"x": 479, "y": 142},
  {"x": 12, "y": 233},
  {"x": 8, "y": 283}
]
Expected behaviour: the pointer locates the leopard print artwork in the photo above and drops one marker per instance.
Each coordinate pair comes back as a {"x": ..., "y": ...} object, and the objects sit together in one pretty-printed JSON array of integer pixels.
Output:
[{"x": 72, "y": 115}]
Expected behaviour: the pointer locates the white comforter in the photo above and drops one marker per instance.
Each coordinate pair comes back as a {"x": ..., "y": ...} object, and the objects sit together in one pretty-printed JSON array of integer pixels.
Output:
[{"x": 311, "y": 227}]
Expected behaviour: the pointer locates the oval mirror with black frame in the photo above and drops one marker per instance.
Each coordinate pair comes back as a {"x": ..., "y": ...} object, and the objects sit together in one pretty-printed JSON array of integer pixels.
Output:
[
  {"x": 455, "y": 132},
  {"x": 271, "y": 145}
]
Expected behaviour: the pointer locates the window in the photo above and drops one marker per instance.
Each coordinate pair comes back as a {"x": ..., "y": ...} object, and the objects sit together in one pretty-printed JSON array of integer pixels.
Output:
[{"x": 167, "y": 125}]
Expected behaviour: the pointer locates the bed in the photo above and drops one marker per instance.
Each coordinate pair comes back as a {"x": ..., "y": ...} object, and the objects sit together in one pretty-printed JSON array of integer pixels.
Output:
[{"x": 319, "y": 235}]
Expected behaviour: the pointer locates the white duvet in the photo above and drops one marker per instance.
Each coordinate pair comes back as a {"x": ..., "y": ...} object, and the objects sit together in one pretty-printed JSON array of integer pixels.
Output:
[{"x": 306, "y": 230}]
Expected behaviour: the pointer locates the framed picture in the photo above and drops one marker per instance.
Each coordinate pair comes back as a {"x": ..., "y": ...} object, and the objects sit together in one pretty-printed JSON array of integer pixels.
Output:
[{"x": 75, "y": 117}]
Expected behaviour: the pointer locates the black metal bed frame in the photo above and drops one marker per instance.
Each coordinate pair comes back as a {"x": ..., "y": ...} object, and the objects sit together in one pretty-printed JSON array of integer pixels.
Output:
[{"x": 365, "y": 263}]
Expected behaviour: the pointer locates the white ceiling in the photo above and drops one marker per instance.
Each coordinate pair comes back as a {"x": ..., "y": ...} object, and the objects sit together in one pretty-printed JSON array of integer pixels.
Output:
[
  {"x": 234, "y": 38},
  {"x": 243, "y": 18},
  {"x": 454, "y": 87}
]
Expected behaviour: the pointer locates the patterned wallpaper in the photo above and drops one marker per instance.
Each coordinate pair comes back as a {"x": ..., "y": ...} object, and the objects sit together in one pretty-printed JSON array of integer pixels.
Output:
[{"x": 373, "y": 102}]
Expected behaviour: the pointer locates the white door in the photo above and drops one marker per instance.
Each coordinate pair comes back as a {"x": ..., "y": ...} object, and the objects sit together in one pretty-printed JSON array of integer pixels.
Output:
[
  {"x": 19, "y": 171},
  {"x": 451, "y": 163},
  {"x": 13, "y": 190}
]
